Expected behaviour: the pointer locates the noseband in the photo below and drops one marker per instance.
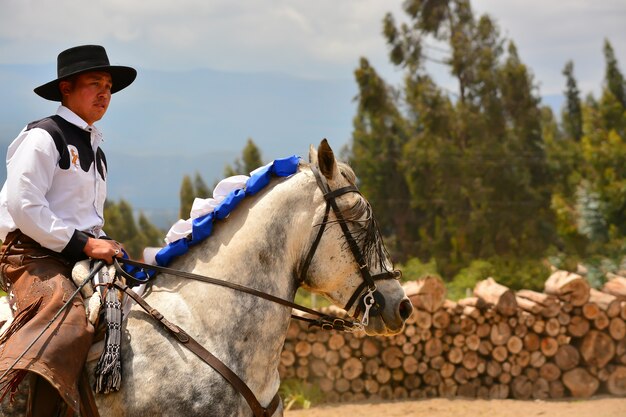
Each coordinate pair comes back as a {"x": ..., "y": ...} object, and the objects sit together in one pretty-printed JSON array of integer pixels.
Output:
[{"x": 372, "y": 301}]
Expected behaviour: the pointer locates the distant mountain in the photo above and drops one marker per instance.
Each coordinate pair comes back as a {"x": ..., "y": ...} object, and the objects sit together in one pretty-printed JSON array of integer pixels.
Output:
[{"x": 168, "y": 124}]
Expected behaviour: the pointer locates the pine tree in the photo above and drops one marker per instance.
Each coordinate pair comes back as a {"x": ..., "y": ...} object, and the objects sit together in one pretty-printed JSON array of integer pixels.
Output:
[
  {"x": 154, "y": 236},
  {"x": 591, "y": 220},
  {"x": 529, "y": 186},
  {"x": 201, "y": 190},
  {"x": 187, "y": 195},
  {"x": 604, "y": 158},
  {"x": 249, "y": 161},
  {"x": 251, "y": 157},
  {"x": 613, "y": 76},
  {"x": 120, "y": 225},
  {"x": 591, "y": 207},
  {"x": 130, "y": 228},
  {"x": 376, "y": 155},
  {"x": 572, "y": 112},
  {"x": 114, "y": 225}
]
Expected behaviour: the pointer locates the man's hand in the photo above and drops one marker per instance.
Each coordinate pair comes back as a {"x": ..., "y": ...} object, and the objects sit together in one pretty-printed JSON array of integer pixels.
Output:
[{"x": 103, "y": 249}]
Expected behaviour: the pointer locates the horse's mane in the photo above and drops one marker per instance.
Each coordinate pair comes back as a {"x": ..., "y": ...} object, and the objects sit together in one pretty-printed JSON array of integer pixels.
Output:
[{"x": 367, "y": 236}]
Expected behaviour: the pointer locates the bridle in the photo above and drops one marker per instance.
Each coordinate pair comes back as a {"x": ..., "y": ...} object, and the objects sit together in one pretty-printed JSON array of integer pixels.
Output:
[{"x": 372, "y": 301}]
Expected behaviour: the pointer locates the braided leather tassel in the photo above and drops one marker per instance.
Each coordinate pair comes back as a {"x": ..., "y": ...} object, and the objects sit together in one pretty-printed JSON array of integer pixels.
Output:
[{"x": 109, "y": 367}]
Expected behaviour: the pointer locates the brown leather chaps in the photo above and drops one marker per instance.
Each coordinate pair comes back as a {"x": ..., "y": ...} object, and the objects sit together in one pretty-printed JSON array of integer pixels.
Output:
[{"x": 38, "y": 282}]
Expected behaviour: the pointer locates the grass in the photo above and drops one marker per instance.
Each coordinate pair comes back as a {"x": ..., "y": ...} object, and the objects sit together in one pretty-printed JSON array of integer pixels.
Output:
[
  {"x": 310, "y": 300},
  {"x": 299, "y": 394}
]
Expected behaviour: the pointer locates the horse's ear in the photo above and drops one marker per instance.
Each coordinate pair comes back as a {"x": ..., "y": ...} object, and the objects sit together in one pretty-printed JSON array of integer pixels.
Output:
[
  {"x": 326, "y": 160},
  {"x": 312, "y": 154}
]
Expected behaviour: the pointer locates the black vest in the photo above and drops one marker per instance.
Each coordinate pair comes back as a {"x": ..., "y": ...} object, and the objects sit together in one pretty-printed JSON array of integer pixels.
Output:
[{"x": 65, "y": 133}]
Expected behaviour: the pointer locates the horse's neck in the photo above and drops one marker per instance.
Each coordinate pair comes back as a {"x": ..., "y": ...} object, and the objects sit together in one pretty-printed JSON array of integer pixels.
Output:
[{"x": 258, "y": 246}]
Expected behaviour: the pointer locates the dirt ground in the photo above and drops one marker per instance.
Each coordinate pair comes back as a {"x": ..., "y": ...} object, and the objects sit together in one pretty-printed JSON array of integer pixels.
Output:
[{"x": 596, "y": 407}]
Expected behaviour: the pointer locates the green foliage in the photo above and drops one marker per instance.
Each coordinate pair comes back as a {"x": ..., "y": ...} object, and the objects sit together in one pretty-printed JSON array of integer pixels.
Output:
[
  {"x": 615, "y": 83},
  {"x": 376, "y": 154},
  {"x": 201, "y": 190},
  {"x": 572, "y": 112},
  {"x": 187, "y": 195},
  {"x": 120, "y": 225},
  {"x": 154, "y": 236},
  {"x": 521, "y": 273},
  {"x": 299, "y": 394},
  {"x": 591, "y": 221},
  {"x": 249, "y": 161},
  {"x": 465, "y": 281},
  {"x": 483, "y": 180},
  {"x": 415, "y": 269},
  {"x": 454, "y": 180},
  {"x": 189, "y": 191},
  {"x": 307, "y": 299},
  {"x": 515, "y": 273}
]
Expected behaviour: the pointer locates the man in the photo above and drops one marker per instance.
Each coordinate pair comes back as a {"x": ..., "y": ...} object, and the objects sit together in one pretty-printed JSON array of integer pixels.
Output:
[{"x": 51, "y": 215}]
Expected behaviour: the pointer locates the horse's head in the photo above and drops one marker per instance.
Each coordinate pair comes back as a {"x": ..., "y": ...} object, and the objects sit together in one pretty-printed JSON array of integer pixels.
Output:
[{"x": 347, "y": 261}]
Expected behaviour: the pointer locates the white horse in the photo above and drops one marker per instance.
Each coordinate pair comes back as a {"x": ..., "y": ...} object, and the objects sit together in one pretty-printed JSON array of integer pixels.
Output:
[{"x": 264, "y": 244}]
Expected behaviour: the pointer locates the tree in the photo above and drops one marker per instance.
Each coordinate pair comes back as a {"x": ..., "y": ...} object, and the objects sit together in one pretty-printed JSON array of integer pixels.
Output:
[
  {"x": 249, "y": 161},
  {"x": 590, "y": 204},
  {"x": 572, "y": 112},
  {"x": 524, "y": 147},
  {"x": 475, "y": 166},
  {"x": 114, "y": 225},
  {"x": 201, "y": 190},
  {"x": 154, "y": 235},
  {"x": 613, "y": 77},
  {"x": 489, "y": 174},
  {"x": 604, "y": 157},
  {"x": 376, "y": 155},
  {"x": 190, "y": 190},
  {"x": 187, "y": 195},
  {"x": 251, "y": 156},
  {"x": 130, "y": 228},
  {"x": 120, "y": 225}
]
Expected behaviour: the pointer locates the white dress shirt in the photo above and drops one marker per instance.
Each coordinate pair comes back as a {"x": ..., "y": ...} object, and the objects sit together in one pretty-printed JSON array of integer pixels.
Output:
[{"x": 53, "y": 205}]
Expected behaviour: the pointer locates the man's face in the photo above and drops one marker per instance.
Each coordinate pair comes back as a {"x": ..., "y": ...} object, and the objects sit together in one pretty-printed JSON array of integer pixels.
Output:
[{"x": 88, "y": 95}]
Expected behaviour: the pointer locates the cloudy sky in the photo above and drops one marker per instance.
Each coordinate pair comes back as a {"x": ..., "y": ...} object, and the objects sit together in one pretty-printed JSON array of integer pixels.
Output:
[{"x": 304, "y": 38}]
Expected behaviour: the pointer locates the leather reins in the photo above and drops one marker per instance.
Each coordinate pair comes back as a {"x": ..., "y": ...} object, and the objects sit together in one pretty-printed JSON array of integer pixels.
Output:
[
  {"x": 207, "y": 357},
  {"x": 372, "y": 300},
  {"x": 325, "y": 321}
]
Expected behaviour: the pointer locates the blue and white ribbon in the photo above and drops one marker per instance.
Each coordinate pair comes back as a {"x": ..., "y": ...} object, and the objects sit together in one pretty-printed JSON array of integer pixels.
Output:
[{"x": 226, "y": 196}]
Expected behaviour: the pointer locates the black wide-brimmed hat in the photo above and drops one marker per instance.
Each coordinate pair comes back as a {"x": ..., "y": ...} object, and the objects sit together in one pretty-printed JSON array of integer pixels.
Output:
[{"x": 81, "y": 59}]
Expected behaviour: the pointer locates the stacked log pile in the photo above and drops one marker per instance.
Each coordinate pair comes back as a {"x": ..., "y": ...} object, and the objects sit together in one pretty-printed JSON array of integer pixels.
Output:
[{"x": 569, "y": 340}]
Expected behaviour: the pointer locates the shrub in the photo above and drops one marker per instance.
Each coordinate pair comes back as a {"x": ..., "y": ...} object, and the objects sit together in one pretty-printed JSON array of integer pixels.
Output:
[
  {"x": 514, "y": 273},
  {"x": 465, "y": 281},
  {"x": 415, "y": 269},
  {"x": 299, "y": 394}
]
